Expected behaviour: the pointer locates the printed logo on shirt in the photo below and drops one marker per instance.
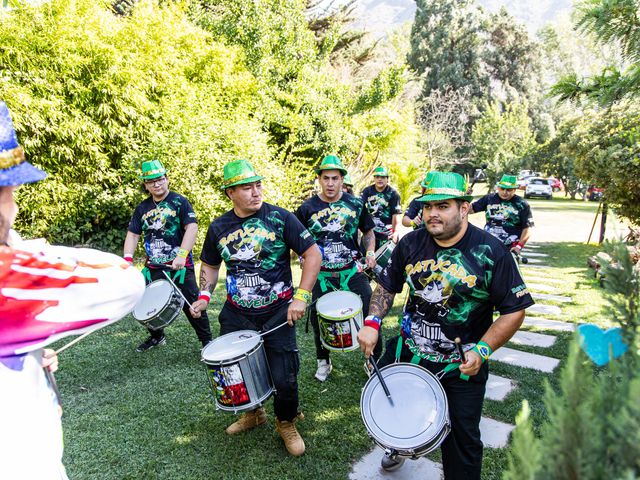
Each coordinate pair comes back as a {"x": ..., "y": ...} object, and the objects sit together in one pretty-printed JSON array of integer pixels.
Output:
[
  {"x": 520, "y": 290},
  {"x": 445, "y": 266}
]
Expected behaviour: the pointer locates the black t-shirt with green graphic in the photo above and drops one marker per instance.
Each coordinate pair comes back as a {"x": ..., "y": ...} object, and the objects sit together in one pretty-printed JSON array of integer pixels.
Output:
[
  {"x": 162, "y": 227},
  {"x": 335, "y": 228},
  {"x": 255, "y": 250},
  {"x": 382, "y": 206},
  {"x": 505, "y": 218},
  {"x": 452, "y": 291}
]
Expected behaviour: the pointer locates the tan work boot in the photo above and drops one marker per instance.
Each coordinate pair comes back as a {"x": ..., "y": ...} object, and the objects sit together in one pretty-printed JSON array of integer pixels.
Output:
[
  {"x": 247, "y": 421},
  {"x": 292, "y": 439}
]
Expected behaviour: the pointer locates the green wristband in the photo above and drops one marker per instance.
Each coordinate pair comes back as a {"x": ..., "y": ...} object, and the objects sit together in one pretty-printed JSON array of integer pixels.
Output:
[{"x": 484, "y": 350}]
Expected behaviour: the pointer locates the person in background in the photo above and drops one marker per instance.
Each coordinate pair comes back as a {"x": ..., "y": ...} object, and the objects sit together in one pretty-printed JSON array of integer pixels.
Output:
[
  {"x": 383, "y": 203},
  {"x": 168, "y": 225},
  {"x": 413, "y": 216},
  {"x": 347, "y": 184},
  {"x": 46, "y": 293},
  {"x": 508, "y": 215},
  {"x": 334, "y": 218}
]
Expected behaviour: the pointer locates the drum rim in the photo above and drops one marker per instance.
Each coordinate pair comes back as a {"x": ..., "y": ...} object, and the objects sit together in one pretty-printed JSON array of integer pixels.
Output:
[
  {"x": 173, "y": 292},
  {"x": 340, "y": 319},
  {"x": 445, "y": 424},
  {"x": 237, "y": 357}
]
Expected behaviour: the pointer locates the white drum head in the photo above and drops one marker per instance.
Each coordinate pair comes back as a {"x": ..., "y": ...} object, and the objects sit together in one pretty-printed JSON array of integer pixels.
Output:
[
  {"x": 230, "y": 346},
  {"x": 339, "y": 305},
  {"x": 156, "y": 296},
  {"x": 418, "y": 413}
]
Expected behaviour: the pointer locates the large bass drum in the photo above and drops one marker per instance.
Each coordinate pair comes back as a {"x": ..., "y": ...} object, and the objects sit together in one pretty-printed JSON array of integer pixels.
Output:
[{"x": 416, "y": 420}]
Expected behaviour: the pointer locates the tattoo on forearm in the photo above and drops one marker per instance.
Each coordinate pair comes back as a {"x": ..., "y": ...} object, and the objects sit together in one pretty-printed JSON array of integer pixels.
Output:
[
  {"x": 205, "y": 284},
  {"x": 369, "y": 240},
  {"x": 381, "y": 302}
]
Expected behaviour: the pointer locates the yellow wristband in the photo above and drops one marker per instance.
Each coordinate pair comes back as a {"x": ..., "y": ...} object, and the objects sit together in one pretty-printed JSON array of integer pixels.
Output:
[
  {"x": 183, "y": 253},
  {"x": 371, "y": 253},
  {"x": 303, "y": 295}
]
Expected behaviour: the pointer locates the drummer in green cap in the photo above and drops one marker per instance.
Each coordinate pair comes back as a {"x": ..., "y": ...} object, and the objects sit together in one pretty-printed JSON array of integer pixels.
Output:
[
  {"x": 413, "y": 216},
  {"x": 334, "y": 217},
  {"x": 383, "y": 203},
  {"x": 254, "y": 240},
  {"x": 457, "y": 275},
  {"x": 168, "y": 225},
  {"x": 347, "y": 184},
  {"x": 508, "y": 215}
]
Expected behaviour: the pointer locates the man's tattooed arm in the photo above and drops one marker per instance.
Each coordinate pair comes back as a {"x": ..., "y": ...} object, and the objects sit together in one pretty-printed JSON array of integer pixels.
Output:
[
  {"x": 208, "y": 277},
  {"x": 369, "y": 240},
  {"x": 381, "y": 302}
]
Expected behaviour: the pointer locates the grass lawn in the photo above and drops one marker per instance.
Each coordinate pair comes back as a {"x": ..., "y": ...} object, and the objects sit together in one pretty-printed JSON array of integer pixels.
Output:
[{"x": 151, "y": 416}]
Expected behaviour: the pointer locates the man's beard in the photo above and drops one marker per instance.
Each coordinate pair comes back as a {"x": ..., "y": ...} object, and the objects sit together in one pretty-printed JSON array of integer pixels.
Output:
[{"x": 451, "y": 231}]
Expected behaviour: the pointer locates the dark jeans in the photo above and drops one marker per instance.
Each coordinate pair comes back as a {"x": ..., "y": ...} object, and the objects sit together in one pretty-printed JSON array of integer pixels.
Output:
[
  {"x": 462, "y": 449},
  {"x": 358, "y": 284},
  {"x": 281, "y": 350},
  {"x": 190, "y": 290}
]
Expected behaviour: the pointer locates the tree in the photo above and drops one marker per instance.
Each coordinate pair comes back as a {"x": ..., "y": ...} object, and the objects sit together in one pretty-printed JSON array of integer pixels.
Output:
[
  {"x": 610, "y": 22},
  {"x": 447, "y": 46},
  {"x": 502, "y": 139}
]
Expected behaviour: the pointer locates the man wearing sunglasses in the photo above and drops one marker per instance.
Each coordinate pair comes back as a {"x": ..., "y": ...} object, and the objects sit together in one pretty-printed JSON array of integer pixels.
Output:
[{"x": 168, "y": 225}]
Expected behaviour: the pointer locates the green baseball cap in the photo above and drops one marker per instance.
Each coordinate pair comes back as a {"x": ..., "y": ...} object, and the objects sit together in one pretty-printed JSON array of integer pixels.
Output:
[
  {"x": 381, "y": 171},
  {"x": 239, "y": 172},
  {"x": 331, "y": 162},
  {"x": 152, "y": 169},
  {"x": 445, "y": 185},
  {"x": 508, "y": 181}
]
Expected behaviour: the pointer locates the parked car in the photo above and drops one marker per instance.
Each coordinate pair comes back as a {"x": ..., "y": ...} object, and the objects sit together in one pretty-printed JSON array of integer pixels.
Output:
[
  {"x": 538, "y": 187},
  {"x": 522, "y": 182},
  {"x": 594, "y": 193},
  {"x": 556, "y": 184}
]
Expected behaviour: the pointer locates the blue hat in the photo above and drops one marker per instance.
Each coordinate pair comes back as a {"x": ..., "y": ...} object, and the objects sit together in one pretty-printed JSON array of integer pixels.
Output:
[{"x": 14, "y": 169}]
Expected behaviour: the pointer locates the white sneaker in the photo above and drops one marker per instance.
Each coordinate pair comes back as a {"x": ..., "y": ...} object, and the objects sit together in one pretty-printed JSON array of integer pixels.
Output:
[{"x": 324, "y": 369}]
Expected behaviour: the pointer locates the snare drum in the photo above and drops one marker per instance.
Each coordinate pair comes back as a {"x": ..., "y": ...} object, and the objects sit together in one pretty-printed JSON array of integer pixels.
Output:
[
  {"x": 383, "y": 255},
  {"x": 238, "y": 371},
  {"x": 159, "y": 306},
  {"x": 338, "y": 313},
  {"x": 417, "y": 421}
]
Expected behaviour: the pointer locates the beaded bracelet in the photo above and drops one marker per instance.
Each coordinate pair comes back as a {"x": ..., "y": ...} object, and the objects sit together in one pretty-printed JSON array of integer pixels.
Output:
[{"x": 484, "y": 350}]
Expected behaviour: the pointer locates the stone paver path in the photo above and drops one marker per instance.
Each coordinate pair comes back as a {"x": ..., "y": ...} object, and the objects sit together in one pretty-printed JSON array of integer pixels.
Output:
[
  {"x": 523, "y": 337},
  {"x": 539, "y": 277},
  {"x": 546, "y": 324},
  {"x": 494, "y": 434},
  {"x": 541, "y": 286},
  {"x": 544, "y": 309},
  {"x": 368, "y": 468},
  {"x": 498, "y": 387},
  {"x": 553, "y": 298},
  {"x": 525, "y": 359},
  {"x": 536, "y": 254}
]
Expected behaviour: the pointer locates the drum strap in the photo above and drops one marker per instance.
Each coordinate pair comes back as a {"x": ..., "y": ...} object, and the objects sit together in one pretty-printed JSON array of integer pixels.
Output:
[
  {"x": 416, "y": 361},
  {"x": 178, "y": 276},
  {"x": 343, "y": 275}
]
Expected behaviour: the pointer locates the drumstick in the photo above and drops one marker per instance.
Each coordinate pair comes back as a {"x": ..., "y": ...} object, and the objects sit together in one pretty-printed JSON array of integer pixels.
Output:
[
  {"x": 176, "y": 287},
  {"x": 463, "y": 357},
  {"x": 262, "y": 333},
  {"x": 74, "y": 341},
  {"x": 54, "y": 385},
  {"x": 374, "y": 364}
]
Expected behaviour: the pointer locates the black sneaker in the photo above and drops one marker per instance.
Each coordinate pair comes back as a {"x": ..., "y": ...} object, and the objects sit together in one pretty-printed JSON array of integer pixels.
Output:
[
  {"x": 150, "y": 343},
  {"x": 390, "y": 463}
]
